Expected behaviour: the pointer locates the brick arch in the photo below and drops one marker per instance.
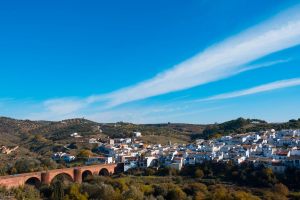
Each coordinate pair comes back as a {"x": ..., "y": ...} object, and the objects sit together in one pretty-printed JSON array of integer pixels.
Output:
[
  {"x": 95, "y": 169},
  {"x": 65, "y": 174},
  {"x": 33, "y": 181},
  {"x": 54, "y": 173},
  {"x": 103, "y": 172},
  {"x": 85, "y": 174}
]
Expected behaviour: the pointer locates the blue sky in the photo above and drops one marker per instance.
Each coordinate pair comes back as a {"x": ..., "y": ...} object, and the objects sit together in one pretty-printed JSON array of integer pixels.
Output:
[{"x": 150, "y": 61}]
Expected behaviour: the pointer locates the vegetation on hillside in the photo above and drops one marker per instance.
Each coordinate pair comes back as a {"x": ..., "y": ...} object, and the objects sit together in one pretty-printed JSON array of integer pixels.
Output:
[
  {"x": 40, "y": 139},
  {"x": 242, "y": 125},
  {"x": 210, "y": 181}
]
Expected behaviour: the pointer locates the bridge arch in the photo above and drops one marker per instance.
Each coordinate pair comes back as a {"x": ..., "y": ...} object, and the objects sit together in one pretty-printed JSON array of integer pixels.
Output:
[
  {"x": 63, "y": 176},
  {"x": 104, "y": 172},
  {"x": 86, "y": 174},
  {"x": 33, "y": 181}
]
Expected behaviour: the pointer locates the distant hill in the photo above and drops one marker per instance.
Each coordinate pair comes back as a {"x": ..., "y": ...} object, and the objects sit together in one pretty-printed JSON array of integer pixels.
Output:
[
  {"x": 45, "y": 137},
  {"x": 242, "y": 125}
]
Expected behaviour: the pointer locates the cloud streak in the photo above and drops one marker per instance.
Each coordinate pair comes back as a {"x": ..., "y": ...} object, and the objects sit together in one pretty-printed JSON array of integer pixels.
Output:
[
  {"x": 220, "y": 61},
  {"x": 259, "y": 89},
  {"x": 64, "y": 106}
]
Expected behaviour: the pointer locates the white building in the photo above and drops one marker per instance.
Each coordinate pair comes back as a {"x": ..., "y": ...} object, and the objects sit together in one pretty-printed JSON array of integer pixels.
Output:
[
  {"x": 75, "y": 135},
  {"x": 137, "y": 134}
]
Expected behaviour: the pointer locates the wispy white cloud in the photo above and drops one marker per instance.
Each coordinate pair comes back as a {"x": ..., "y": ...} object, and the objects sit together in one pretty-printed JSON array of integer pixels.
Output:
[
  {"x": 259, "y": 89},
  {"x": 263, "y": 65},
  {"x": 64, "y": 106},
  {"x": 220, "y": 61},
  {"x": 177, "y": 112}
]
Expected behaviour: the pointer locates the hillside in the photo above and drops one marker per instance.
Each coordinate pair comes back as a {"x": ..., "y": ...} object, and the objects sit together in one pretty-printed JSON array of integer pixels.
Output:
[
  {"x": 242, "y": 125},
  {"x": 37, "y": 138}
]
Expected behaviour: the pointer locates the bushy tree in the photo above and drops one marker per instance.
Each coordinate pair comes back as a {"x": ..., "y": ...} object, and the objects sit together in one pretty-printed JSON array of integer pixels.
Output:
[
  {"x": 194, "y": 188},
  {"x": 219, "y": 192},
  {"x": 48, "y": 163},
  {"x": 176, "y": 194},
  {"x": 27, "y": 165},
  {"x": 147, "y": 189},
  {"x": 84, "y": 153},
  {"x": 198, "y": 173},
  {"x": 26, "y": 192},
  {"x": 168, "y": 171},
  {"x": 281, "y": 189},
  {"x": 133, "y": 194},
  {"x": 75, "y": 194},
  {"x": 269, "y": 195},
  {"x": 58, "y": 190},
  {"x": 101, "y": 191},
  {"x": 242, "y": 195},
  {"x": 150, "y": 172},
  {"x": 199, "y": 196}
]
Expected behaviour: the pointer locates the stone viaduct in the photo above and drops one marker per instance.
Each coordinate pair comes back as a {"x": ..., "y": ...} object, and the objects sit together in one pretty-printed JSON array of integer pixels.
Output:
[{"x": 75, "y": 174}]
